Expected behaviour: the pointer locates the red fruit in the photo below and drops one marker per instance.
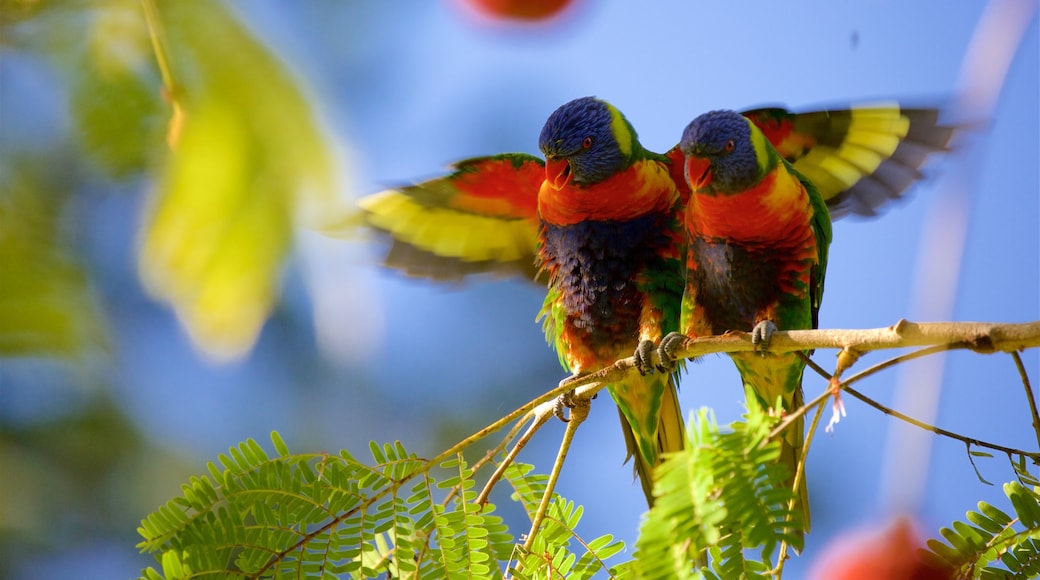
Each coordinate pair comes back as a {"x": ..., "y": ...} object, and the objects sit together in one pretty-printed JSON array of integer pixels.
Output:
[
  {"x": 518, "y": 9},
  {"x": 866, "y": 554}
]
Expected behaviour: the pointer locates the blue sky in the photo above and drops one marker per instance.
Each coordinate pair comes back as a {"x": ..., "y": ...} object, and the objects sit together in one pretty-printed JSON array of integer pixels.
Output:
[{"x": 406, "y": 88}]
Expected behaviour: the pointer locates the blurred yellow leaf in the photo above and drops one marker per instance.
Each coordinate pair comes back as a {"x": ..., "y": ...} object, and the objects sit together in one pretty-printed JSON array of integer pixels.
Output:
[{"x": 249, "y": 161}]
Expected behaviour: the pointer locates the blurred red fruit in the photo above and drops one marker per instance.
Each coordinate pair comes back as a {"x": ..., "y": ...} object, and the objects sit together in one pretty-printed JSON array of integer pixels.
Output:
[
  {"x": 867, "y": 554},
  {"x": 518, "y": 9}
]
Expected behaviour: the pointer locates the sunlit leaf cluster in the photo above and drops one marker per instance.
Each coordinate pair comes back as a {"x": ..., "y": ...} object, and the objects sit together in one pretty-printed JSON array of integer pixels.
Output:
[
  {"x": 320, "y": 516},
  {"x": 248, "y": 160}
]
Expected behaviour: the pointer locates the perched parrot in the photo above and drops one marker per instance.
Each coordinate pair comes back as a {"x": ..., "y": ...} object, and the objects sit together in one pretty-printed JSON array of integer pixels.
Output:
[
  {"x": 612, "y": 247},
  {"x": 758, "y": 232},
  {"x": 598, "y": 221},
  {"x": 581, "y": 221}
]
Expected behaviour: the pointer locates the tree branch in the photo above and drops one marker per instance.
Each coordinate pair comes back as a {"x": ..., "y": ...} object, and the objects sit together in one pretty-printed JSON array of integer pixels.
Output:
[{"x": 981, "y": 337}]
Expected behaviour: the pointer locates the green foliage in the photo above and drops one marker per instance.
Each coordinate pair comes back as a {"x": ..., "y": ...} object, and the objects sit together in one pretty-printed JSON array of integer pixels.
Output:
[
  {"x": 317, "y": 515},
  {"x": 117, "y": 107},
  {"x": 721, "y": 501},
  {"x": 991, "y": 544},
  {"x": 721, "y": 512},
  {"x": 102, "y": 53},
  {"x": 313, "y": 515}
]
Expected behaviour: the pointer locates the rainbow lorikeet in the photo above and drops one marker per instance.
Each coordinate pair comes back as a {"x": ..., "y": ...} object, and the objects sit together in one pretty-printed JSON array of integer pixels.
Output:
[
  {"x": 758, "y": 234},
  {"x": 612, "y": 246},
  {"x": 599, "y": 222}
]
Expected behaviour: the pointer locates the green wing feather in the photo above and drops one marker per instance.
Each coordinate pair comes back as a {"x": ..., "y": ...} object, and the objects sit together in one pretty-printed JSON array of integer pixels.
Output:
[{"x": 823, "y": 230}]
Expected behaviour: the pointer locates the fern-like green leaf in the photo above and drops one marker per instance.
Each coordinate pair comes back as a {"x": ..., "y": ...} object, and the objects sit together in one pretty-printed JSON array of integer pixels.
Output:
[
  {"x": 997, "y": 545},
  {"x": 527, "y": 487},
  {"x": 323, "y": 516},
  {"x": 551, "y": 554},
  {"x": 720, "y": 499}
]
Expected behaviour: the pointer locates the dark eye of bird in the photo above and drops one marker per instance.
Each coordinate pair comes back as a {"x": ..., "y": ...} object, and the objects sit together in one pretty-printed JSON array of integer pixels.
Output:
[
  {"x": 730, "y": 145},
  {"x": 586, "y": 143}
]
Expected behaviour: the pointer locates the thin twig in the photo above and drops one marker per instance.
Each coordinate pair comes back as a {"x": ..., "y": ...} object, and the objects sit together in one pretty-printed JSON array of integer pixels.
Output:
[
  {"x": 539, "y": 420},
  {"x": 1030, "y": 396},
  {"x": 1035, "y": 456},
  {"x": 899, "y": 359},
  {"x": 171, "y": 90},
  {"x": 815, "y": 367},
  {"x": 799, "y": 474},
  {"x": 578, "y": 414},
  {"x": 844, "y": 385},
  {"x": 158, "y": 37}
]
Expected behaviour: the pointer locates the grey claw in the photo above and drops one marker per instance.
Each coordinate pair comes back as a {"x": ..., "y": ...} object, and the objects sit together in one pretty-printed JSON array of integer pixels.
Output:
[
  {"x": 669, "y": 345},
  {"x": 563, "y": 402},
  {"x": 644, "y": 357},
  {"x": 762, "y": 334}
]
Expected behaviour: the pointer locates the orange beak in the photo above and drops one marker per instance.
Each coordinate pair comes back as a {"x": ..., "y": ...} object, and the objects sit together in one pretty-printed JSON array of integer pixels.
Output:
[
  {"x": 557, "y": 172},
  {"x": 698, "y": 172}
]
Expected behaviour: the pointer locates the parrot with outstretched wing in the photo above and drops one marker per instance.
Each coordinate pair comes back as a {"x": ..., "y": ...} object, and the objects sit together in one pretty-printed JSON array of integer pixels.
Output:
[
  {"x": 612, "y": 246},
  {"x": 758, "y": 233}
]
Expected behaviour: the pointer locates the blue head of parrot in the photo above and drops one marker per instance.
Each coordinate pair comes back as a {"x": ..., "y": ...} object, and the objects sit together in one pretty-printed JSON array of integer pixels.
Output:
[
  {"x": 720, "y": 153},
  {"x": 581, "y": 144}
]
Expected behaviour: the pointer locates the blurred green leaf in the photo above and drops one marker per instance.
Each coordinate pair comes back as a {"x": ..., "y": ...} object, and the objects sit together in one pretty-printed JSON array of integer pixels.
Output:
[
  {"x": 249, "y": 160},
  {"x": 116, "y": 101},
  {"x": 15, "y": 11},
  {"x": 102, "y": 53},
  {"x": 116, "y": 118},
  {"x": 46, "y": 306}
]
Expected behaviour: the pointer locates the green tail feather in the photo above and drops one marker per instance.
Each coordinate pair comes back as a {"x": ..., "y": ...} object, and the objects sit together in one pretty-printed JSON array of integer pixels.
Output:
[
  {"x": 766, "y": 377},
  {"x": 652, "y": 423}
]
